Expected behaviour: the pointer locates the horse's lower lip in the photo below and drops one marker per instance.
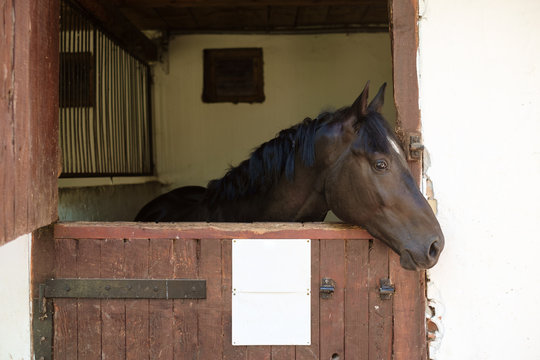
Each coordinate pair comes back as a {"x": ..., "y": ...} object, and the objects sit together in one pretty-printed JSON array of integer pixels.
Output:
[{"x": 407, "y": 262}]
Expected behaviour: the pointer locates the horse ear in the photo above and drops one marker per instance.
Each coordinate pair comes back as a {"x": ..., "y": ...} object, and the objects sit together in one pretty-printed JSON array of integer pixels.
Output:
[
  {"x": 359, "y": 107},
  {"x": 378, "y": 101}
]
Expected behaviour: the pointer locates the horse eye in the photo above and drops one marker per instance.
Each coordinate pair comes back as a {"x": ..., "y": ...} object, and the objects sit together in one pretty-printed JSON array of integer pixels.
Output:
[{"x": 381, "y": 165}]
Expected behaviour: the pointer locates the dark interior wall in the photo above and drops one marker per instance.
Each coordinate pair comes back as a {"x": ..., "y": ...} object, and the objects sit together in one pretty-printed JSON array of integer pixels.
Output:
[{"x": 105, "y": 203}]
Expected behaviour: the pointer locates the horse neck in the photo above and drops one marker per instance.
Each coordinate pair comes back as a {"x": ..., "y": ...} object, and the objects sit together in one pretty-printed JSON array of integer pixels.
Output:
[
  {"x": 285, "y": 202},
  {"x": 299, "y": 200}
]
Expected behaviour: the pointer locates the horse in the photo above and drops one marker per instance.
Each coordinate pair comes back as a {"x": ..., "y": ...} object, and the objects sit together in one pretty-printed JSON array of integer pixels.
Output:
[{"x": 348, "y": 161}]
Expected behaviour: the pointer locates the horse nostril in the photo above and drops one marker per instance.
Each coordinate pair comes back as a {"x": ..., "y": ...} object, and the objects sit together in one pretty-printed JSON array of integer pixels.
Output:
[{"x": 434, "y": 249}]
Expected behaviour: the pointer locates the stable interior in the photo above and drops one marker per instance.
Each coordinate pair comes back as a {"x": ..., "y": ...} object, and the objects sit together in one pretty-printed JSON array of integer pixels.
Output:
[{"x": 317, "y": 56}]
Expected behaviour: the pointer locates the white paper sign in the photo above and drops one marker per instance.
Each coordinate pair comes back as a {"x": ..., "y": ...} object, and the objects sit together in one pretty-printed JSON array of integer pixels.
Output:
[{"x": 271, "y": 297}]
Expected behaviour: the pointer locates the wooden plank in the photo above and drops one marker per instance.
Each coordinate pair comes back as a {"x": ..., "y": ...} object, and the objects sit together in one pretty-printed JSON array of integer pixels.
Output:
[
  {"x": 185, "y": 311},
  {"x": 409, "y": 312},
  {"x": 282, "y": 16},
  {"x": 137, "y": 321},
  {"x": 239, "y": 19},
  {"x": 230, "y": 352},
  {"x": 42, "y": 267},
  {"x": 380, "y": 311},
  {"x": 7, "y": 123},
  {"x": 332, "y": 326},
  {"x": 259, "y": 352},
  {"x": 312, "y": 352},
  {"x": 7, "y": 119},
  {"x": 123, "y": 31},
  {"x": 28, "y": 120},
  {"x": 409, "y": 301},
  {"x": 357, "y": 300},
  {"x": 283, "y": 353},
  {"x": 43, "y": 258},
  {"x": 44, "y": 148},
  {"x": 404, "y": 36},
  {"x": 65, "y": 310},
  {"x": 312, "y": 15},
  {"x": 252, "y": 3},
  {"x": 24, "y": 19},
  {"x": 274, "y": 29},
  {"x": 113, "y": 315},
  {"x": 161, "y": 311},
  {"x": 89, "y": 310},
  {"x": 199, "y": 230},
  {"x": 210, "y": 326},
  {"x": 144, "y": 19}
]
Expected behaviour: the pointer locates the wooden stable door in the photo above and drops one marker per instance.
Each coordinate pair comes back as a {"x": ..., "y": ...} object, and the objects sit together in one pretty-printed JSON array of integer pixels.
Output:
[{"x": 353, "y": 323}]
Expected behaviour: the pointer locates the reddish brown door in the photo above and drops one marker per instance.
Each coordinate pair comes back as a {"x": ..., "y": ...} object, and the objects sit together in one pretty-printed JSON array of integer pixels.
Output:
[
  {"x": 354, "y": 323},
  {"x": 28, "y": 116}
]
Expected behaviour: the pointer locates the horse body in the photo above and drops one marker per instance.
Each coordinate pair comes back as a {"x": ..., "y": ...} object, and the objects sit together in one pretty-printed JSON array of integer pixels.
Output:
[
  {"x": 347, "y": 161},
  {"x": 177, "y": 205},
  {"x": 301, "y": 200}
]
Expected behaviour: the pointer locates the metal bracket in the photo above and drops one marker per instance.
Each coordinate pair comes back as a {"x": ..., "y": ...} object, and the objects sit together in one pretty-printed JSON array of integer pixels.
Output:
[
  {"x": 327, "y": 288},
  {"x": 124, "y": 289},
  {"x": 414, "y": 145},
  {"x": 386, "y": 289}
]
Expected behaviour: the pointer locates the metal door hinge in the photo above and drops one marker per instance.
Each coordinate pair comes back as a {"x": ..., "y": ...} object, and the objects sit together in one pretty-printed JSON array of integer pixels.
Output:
[
  {"x": 414, "y": 145},
  {"x": 327, "y": 288},
  {"x": 386, "y": 289}
]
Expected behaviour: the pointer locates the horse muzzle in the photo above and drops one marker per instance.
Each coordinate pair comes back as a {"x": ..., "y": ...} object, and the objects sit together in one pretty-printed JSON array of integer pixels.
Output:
[{"x": 422, "y": 258}]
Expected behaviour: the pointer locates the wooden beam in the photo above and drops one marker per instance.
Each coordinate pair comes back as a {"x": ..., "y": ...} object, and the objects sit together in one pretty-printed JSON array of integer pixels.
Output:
[
  {"x": 122, "y": 30},
  {"x": 244, "y": 3},
  {"x": 287, "y": 30},
  {"x": 203, "y": 230},
  {"x": 409, "y": 340},
  {"x": 404, "y": 36}
]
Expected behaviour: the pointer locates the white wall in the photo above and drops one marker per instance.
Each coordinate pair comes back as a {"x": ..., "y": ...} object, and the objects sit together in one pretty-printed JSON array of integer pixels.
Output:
[
  {"x": 479, "y": 64},
  {"x": 15, "y": 299},
  {"x": 303, "y": 75}
]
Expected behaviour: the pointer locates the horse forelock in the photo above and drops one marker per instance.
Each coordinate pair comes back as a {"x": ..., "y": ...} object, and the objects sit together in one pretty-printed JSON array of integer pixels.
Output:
[
  {"x": 375, "y": 134},
  {"x": 372, "y": 130},
  {"x": 269, "y": 162}
]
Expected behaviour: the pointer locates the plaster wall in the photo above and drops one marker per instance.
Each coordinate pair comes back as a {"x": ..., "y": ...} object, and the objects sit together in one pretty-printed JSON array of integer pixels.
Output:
[
  {"x": 105, "y": 202},
  {"x": 15, "y": 305},
  {"x": 303, "y": 75},
  {"x": 480, "y": 102}
]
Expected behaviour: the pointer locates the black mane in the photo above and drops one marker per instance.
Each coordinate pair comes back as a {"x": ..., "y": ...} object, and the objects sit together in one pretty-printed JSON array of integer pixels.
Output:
[
  {"x": 269, "y": 161},
  {"x": 373, "y": 133}
]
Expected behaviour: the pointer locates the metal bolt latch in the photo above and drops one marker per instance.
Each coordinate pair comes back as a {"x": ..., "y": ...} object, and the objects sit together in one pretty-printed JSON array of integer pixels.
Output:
[
  {"x": 414, "y": 146},
  {"x": 327, "y": 288},
  {"x": 386, "y": 289}
]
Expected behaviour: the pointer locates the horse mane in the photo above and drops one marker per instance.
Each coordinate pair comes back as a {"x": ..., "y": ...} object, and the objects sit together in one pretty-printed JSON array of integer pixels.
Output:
[{"x": 267, "y": 163}]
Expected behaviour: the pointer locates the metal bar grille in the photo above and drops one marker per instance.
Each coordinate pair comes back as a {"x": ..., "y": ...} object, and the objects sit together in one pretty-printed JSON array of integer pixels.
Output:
[{"x": 104, "y": 95}]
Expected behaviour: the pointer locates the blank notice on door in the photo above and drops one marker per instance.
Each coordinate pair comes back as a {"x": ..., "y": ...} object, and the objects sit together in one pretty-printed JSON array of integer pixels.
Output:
[{"x": 271, "y": 292}]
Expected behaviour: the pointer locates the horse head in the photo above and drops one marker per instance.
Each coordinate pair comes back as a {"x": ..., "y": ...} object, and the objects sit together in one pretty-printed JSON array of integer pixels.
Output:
[{"x": 369, "y": 183}]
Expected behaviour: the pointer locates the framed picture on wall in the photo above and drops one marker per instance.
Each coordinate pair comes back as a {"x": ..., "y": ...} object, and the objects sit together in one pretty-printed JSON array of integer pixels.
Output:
[{"x": 233, "y": 75}]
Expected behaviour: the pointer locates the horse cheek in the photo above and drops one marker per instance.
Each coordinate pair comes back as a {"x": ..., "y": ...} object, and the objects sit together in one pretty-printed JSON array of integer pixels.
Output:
[{"x": 343, "y": 197}]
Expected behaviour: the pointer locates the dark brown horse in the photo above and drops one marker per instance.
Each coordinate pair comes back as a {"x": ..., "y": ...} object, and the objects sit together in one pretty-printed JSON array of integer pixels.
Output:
[{"x": 348, "y": 161}]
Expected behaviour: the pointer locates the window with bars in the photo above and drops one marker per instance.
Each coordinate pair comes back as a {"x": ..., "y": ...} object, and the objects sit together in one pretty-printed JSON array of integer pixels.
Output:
[{"x": 105, "y": 125}]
